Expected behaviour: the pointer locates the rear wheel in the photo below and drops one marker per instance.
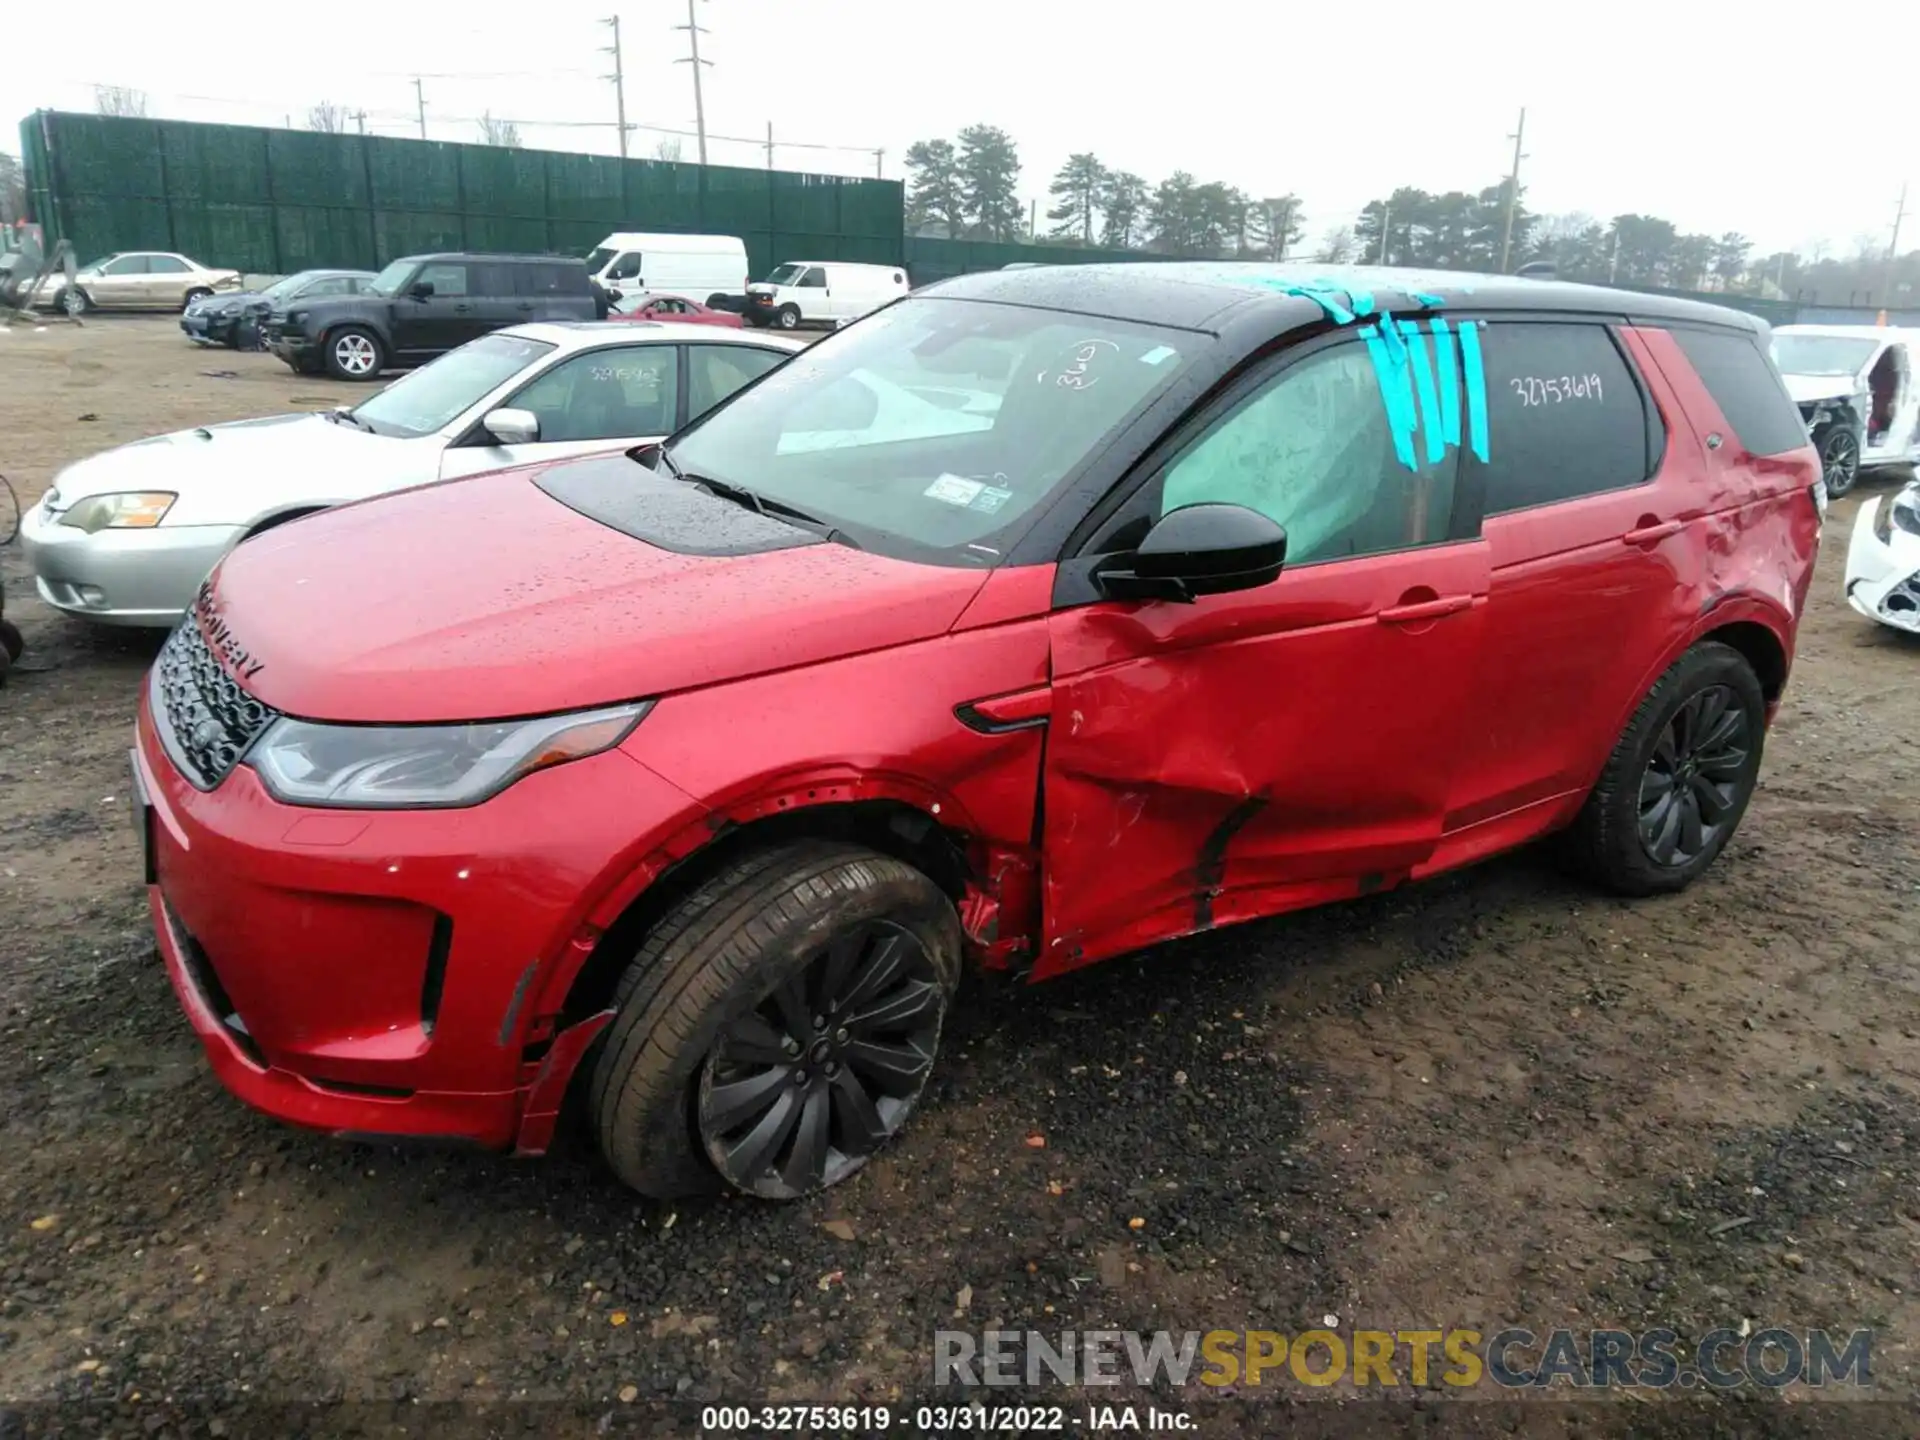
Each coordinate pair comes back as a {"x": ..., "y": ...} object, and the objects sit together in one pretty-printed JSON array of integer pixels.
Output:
[
  {"x": 354, "y": 354},
  {"x": 778, "y": 1026},
  {"x": 1839, "y": 451},
  {"x": 1678, "y": 781}
]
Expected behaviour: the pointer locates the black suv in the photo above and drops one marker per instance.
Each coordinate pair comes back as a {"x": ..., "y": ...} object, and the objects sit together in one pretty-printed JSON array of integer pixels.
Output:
[{"x": 422, "y": 306}]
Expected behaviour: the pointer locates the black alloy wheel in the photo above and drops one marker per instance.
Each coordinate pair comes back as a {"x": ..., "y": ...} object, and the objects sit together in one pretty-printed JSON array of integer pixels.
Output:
[
  {"x": 802, "y": 1090},
  {"x": 1690, "y": 790},
  {"x": 1839, "y": 460}
]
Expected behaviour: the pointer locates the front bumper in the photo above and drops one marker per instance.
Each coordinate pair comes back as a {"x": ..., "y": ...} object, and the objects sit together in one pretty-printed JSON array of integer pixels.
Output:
[
  {"x": 207, "y": 329},
  {"x": 1883, "y": 578},
  {"x": 290, "y": 345},
  {"x": 392, "y": 974},
  {"x": 122, "y": 577}
]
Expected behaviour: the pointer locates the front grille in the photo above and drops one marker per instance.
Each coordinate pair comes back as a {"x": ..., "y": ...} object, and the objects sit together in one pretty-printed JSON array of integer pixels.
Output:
[{"x": 206, "y": 721}]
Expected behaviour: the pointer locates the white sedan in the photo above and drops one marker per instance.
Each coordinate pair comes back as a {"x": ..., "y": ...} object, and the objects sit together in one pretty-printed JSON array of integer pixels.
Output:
[
  {"x": 125, "y": 537},
  {"x": 1883, "y": 560}
]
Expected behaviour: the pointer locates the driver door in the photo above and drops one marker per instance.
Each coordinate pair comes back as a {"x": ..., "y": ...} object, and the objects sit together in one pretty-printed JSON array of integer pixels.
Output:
[{"x": 1252, "y": 752}]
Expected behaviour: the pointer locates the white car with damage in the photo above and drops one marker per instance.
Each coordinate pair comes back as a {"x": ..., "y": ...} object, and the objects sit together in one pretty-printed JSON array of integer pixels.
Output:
[
  {"x": 1883, "y": 560},
  {"x": 1858, "y": 392}
]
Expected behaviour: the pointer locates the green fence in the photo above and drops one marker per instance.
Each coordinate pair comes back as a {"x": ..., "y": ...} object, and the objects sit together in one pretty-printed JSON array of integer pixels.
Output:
[
  {"x": 931, "y": 260},
  {"x": 273, "y": 201}
]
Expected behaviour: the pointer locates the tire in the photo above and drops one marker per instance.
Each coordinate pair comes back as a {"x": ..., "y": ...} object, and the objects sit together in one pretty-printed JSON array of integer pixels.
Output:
[
  {"x": 198, "y": 293},
  {"x": 355, "y": 353},
  {"x": 74, "y": 301},
  {"x": 788, "y": 317},
  {"x": 11, "y": 643},
  {"x": 710, "y": 980},
  {"x": 1710, "y": 688},
  {"x": 1839, "y": 451}
]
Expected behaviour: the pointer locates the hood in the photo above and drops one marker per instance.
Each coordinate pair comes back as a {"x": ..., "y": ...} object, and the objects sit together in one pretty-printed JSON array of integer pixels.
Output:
[
  {"x": 228, "y": 300},
  {"x": 206, "y": 467},
  {"x": 489, "y": 597},
  {"x": 1807, "y": 388}
]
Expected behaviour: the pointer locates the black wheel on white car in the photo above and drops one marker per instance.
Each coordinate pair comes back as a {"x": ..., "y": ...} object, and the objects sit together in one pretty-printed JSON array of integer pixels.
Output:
[
  {"x": 1839, "y": 451},
  {"x": 354, "y": 354},
  {"x": 788, "y": 317},
  {"x": 1678, "y": 781},
  {"x": 777, "y": 1027}
]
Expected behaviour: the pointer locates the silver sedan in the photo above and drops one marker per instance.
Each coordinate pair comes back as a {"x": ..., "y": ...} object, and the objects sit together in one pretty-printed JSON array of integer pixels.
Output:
[{"x": 125, "y": 537}]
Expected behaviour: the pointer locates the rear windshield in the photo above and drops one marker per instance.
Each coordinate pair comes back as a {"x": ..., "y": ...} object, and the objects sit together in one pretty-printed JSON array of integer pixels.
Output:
[{"x": 936, "y": 429}]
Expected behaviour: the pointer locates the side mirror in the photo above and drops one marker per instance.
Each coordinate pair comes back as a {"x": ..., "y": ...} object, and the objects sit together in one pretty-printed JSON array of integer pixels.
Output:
[
  {"x": 647, "y": 455},
  {"x": 1198, "y": 550},
  {"x": 421, "y": 290},
  {"x": 512, "y": 427}
]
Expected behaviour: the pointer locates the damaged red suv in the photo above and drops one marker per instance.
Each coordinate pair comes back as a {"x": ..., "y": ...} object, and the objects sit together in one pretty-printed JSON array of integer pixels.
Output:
[{"x": 1040, "y": 616}]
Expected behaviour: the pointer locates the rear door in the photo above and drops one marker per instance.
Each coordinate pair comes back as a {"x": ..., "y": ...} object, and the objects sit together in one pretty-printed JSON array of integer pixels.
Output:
[
  {"x": 606, "y": 399},
  {"x": 1588, "y": 502},
  {"x": 549, "y": 290}
]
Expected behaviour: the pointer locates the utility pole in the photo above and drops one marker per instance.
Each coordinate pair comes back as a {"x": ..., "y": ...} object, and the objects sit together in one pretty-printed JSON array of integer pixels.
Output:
[
  {"x": 694, "y": 32},
  {"x": 360, "y": 119},
  {"x": 769, "y": 144},
  {"x": 619, "y": 79},
  {"x": 1613, "y": 265},
  {"x": 1893, "y": 247},
  {"x": 420, "y": 98},
  {"x": 1386, "y": 219},
  {"x": 1513, "y": 190},
  {"x": 880, "y": 164}
]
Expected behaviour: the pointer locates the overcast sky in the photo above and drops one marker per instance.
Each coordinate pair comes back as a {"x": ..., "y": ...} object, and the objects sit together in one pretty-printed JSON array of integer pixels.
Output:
[{"x": 1699, "y": 113}]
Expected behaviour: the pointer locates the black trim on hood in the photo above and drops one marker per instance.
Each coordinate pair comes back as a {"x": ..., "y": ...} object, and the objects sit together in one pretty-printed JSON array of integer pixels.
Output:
[{"x": 624, "y": 495}]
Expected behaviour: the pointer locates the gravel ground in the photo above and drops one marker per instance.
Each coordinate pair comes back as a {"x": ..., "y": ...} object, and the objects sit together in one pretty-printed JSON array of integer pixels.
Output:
[{"x": 1497, "y": 1099}]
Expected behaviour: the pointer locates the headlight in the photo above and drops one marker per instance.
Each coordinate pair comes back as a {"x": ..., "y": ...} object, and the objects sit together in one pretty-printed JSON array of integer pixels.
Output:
[
  {"x": 296, "y": 317},
  {"x": 136, "y": 510},
  {"x": 406, "y": 767},
  {"x": 1883, "y": 521}
]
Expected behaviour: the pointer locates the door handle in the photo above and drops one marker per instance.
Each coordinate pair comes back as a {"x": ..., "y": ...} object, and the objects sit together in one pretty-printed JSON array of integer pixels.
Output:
[
  {"x": 461, "y": 309},
  {"x": 1425, "y": 610},
  {"x": 1649, "y": 530}
]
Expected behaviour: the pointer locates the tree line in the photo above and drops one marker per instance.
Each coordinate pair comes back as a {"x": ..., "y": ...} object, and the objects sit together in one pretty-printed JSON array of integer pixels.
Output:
[{"x": 966, "y": 188}]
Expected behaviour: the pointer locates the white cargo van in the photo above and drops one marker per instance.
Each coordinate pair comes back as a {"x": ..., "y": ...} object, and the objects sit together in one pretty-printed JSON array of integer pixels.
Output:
[
  {"x": 822, "y": 292},
  {"x": 633, "y": 267}
]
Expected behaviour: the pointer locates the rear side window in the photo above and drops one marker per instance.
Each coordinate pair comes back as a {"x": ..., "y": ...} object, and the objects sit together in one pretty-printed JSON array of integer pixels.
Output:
[
  {"x": 1565, "y": 417},
  {"x": 1746, "y": 387}
]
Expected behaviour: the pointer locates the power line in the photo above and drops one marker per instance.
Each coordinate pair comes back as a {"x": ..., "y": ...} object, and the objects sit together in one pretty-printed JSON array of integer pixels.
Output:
[
  {"x": 694, "y": 32},
  {"x": 619, "y": 79}
]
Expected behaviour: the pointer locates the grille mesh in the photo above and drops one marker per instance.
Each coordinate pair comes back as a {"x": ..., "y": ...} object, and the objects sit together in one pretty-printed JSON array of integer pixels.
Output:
[{"x": 207, "y": 720}]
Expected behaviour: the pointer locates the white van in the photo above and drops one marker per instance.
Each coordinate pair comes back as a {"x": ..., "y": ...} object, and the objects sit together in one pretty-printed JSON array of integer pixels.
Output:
[
  {"x": 633, "y": 268},
  {"x": 822, "y": 292}
]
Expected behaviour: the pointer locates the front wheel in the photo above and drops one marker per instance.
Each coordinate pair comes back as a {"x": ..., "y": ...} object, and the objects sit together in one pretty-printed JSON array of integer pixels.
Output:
[
  {"x": 354, "y": 354},
  {"x": 789, "y": 317},
  {"x": 778, "y": 1026},
  {"x": 186, "y": 301},
  {"x": 73, "y": 301},
  {"x": 1678, "y": 781},
  {"x": 1839, "y": 451}
]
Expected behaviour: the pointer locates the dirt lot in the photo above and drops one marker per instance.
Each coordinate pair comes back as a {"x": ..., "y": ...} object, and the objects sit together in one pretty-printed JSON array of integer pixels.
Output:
[{"x": 1494, "y": 1100}]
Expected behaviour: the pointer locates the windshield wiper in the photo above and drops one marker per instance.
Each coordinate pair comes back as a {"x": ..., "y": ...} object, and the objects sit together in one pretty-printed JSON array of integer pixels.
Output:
[
  {"x": 759, "y": 504},
  {"x": 347, "y": 417}
]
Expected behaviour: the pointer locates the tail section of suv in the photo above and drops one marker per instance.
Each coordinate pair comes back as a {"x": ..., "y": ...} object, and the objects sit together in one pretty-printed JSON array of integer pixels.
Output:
[
  {"x": 1069, "y": 611},
  {"x": 422, "y": 306}
]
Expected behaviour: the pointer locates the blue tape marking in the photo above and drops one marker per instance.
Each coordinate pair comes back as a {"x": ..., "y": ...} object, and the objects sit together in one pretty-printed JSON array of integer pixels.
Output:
[
  {"x": 1390, "y": 369},
  {"x": 1321, "y": 295},
  {"x": 1426, "y": 301},
  {"x": 1429, "y": 398},
  {"x": 1476, "y": 388},
  {"x": 1449, "y": 369}
]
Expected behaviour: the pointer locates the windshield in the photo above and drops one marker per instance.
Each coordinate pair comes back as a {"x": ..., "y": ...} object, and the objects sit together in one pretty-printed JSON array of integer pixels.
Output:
[
  {"x": 389, "y": 280},
  {"x": 432, "y": 397},
  {"x": 286, "y": 289},
  {"x": 1821, "y": 354},
  {"x": 96, "y": 264},
  {"x": 934, "y": 429},
  {"x": 785, "y": 274},
  {"x": 598, "y": 257}
]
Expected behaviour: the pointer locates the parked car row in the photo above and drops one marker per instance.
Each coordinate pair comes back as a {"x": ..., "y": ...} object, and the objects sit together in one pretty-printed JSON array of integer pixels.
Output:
[{"x": 1059, "y": 615}]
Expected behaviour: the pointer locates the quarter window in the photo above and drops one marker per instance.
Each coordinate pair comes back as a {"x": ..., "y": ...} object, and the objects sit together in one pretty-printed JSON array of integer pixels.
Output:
[
  {"x": 1746, "y": 387},
  {"x": 1565, "y": 417},
  {"x": 127, "y": 265},
  {"x": 1312, "y": 450},
  {"x": 715, "y": 371}
]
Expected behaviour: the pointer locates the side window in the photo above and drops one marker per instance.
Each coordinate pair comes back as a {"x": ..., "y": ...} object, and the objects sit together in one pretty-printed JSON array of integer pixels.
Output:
[
  {"x": 1312, "y": 450},
  {"x": 1746, "y": 387},
  {"x": 446, "y": 279},
  {"x": 715, "y": 371},
  {"x": 543, "y": 281},
  {"x": 494, "y": 282},
  {"x": 167, "y": 265},
  {"x": 1565, "y": 417},
  {"x": 615, "y": 394},
  {"x": 627, "y": 267},
  {"x": 127, "y": 265},
  {"x": 814, "y": 279},
  {"x": 332, "y": 285}
]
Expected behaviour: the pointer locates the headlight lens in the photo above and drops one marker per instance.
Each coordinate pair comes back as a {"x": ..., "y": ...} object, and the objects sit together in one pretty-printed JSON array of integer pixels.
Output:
[
  {"x": 1883, "y": 521},
  {"x": 390, "y": 767},
  {"x": 135, "y": 510}
]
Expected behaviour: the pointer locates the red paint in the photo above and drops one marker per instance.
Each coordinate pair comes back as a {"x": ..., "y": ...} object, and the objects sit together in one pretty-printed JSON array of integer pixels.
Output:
[
  {"x": 666, "y": 309},
  {"x": 1114, "y": 773}
]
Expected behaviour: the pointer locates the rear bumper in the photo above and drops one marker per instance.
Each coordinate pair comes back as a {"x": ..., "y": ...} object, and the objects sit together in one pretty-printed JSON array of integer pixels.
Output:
[{"x": 394, "y": 974}]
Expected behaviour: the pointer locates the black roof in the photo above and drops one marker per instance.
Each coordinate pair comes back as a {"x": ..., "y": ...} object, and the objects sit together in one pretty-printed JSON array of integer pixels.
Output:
[
  {"x": 524, "y": 259},
  {"x": 1205, "y": 294}
]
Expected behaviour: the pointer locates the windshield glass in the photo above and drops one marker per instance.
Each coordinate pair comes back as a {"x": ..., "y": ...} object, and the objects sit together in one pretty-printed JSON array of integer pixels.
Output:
[
  {"x": 598, "y": 257},
  {"x": 934, "y": 429},
  {"x": 287, "y": 288},
  {"x": 389, "y": 280},
  {"x": 1821, "y": 354},
  {"x": 785, "y": 274},
  {"x": 432, "y": 397},
  {"x": 96, "y": 264}
]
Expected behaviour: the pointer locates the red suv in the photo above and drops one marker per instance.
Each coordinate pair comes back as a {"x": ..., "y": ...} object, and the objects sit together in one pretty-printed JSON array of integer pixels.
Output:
[{"x": 1042, "y": 615}]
